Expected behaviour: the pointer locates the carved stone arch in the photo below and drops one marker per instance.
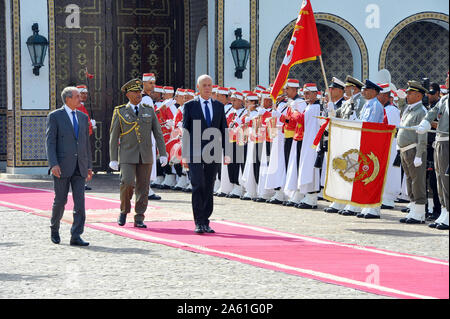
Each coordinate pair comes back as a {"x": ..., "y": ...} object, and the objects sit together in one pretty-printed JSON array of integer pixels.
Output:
[
  {"x": 347, "y": 32},
  {"x": 416, "y": 47}
]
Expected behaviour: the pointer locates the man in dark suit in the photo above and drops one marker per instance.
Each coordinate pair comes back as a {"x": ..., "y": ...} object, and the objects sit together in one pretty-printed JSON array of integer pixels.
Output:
[
  {"x": 204, "y": 137},
  {"x": 70, "y": 162}
]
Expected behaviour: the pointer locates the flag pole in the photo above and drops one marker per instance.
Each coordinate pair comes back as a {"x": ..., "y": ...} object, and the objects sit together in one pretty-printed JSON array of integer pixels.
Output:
[
  {"x": 89, "y": 90},
  {"x": 324, "y": 76}
]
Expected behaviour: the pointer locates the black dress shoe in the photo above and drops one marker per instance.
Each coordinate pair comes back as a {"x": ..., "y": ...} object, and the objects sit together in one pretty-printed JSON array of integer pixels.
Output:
[
  {"x": 386, "y": 207},
  {"x": 433, "y": 225},
  {"x": 87, "y": 188},
  {"x": 348, "y": 213},
  {"x": 442, "y": 227},
  {"x": 122, "y": 220},
  {"x": 245, "y": 198},
  {"x": 403, "y": 220},
  {"x": 405, "y": 210},
  {"x": 154, "y": 197},
  {"x": 222, "y": 195},
  {"x": 290, "y": 204},
  {"x": 177, "y": 188},
  {"x": 199, "y": 229},
  {"x": 414, "y": 221},
  {"x": 275, "y": 202},
  {"x": 232, "y": 196},
  {"x": 259, "y": 200},
  {"x": 78, "y": 242},
  {"x": 370, "y": 216},
  {"x": 331, "y": 210},
  {"x": 359, "y": 215},
  {"x": 55, "y": 238},
  {"x": 208, "y": 229},
  {"x": 403, "y": 201},
  {"x": 140, "y": 224},
  {"x": 305, "y": 206}
]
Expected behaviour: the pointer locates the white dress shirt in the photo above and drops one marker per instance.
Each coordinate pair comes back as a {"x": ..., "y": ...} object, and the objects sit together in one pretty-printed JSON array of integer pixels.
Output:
[
  {"x": 69, "y": 113},
  {"x": 202, "y": 102}
]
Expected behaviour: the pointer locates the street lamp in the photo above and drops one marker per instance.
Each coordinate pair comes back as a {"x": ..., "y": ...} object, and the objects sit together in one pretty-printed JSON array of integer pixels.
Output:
[
  {"x": 37, "y": 46},
  {"x": 240, "y": 49}
]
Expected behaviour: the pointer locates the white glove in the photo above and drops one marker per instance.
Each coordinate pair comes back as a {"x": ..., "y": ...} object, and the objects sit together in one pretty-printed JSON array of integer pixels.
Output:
[
  {"x": 170, "y": 123},
  {"x": 163, "y": 161},
  {"x": 331, "y": 109},
  {"x": 417, "y": 161},
  {"x": 276, "y": 113},
  {"x": 423, "y": 127},
  {"x": 180, "y": 124},
  {"x": 114, "y": 165},
  {"x": 94, "y": 126}
]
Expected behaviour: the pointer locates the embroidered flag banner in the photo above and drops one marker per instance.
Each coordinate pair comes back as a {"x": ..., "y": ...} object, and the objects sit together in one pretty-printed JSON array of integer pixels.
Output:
[
  {"x": 358, "y": 157},
  {"x": 304, "y": 46}
]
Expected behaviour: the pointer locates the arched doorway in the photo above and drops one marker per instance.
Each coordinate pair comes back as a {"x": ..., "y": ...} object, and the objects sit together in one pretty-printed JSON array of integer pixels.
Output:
[
  {"x": 343, "y": 50},
  {"x": 417, "y": 48}
]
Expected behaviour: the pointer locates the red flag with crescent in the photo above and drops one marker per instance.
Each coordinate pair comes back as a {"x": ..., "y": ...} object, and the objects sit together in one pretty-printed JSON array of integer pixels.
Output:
[{"x": 304, "y": 46}]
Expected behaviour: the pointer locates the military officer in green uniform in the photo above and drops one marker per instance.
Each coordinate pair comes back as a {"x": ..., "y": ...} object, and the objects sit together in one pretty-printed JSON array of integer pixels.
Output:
[
  {"x": 441, "y": 151},
  {"x": 413, "y": 152},
  {"x": 130, "y": 145}
]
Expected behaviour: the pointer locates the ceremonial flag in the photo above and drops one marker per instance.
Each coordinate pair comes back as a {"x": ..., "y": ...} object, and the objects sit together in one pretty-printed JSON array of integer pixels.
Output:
[
  {"x": 358, "y": 157},
  {"x": 304, "y": 46}
]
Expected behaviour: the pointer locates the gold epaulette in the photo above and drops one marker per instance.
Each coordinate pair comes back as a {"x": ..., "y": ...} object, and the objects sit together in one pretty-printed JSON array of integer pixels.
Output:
[
  {"x": 146, "y": 105},
  {"x": 120, "y": 106}
]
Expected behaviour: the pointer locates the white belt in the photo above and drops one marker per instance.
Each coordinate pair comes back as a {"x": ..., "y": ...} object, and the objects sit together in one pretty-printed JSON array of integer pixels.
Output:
[
  {"x": 442, "y": 138},
  {"x": 407, "y": 148}
]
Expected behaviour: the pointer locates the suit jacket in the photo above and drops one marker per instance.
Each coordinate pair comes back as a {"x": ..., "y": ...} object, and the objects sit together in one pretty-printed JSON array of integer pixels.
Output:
[
  {"x": 135, "y": 135},
  {"x": 200, "y": 148},
  {"x": 63, "y": 148}
]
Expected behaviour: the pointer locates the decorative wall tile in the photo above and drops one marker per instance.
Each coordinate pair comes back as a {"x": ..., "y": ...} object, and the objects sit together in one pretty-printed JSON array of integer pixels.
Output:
[
  {"x": 419, "y": 50},
  {"x": 33, "y": 138}
]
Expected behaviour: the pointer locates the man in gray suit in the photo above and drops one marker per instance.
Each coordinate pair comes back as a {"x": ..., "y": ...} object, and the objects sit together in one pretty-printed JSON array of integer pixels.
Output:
[{"x": 70, "y": 162}]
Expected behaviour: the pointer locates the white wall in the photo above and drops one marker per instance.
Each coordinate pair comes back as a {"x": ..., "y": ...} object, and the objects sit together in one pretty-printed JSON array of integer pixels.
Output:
[
  {"x": 201, "y": 53},
  {"x": 275, "y": 15},
  {"x": 237, "y": 13},
  {"x": 212, "y": 38},
  {"x": 35, "y": 89}
]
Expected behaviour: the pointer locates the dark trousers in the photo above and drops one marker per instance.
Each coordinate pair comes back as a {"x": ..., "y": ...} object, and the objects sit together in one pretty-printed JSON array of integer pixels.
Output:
[
  {"x": 61, "y": 187},
  {"x": 236, "y": 162},
  {"x": 203, "y": 177},
  {"x": 433, "y": 189},
  {"x": 257, "y": 160}
]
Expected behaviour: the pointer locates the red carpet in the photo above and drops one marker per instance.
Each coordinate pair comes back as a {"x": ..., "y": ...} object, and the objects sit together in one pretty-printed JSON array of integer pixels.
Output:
[
  {"x": 368, "y": 269},
  {"x": 34, "y": 200},
  {"x": 364, "y": 268}
]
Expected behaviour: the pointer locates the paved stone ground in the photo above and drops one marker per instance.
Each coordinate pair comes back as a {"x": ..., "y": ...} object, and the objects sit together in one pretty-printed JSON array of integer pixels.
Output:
[{"x": 117, "y": 267}]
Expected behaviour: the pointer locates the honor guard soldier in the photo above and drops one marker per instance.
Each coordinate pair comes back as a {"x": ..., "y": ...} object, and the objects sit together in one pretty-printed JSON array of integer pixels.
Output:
[
  {"x": 441, "y": 151},
  {"x": 351, "y": 108},
  {"x": 148, "y": 81},
  {"x": 413, "y": 153},
  {"x": 130, "y": 146}
]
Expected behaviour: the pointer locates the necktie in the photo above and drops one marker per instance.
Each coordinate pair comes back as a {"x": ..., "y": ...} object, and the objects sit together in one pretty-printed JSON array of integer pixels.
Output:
[
  {"x": 75, "y": 124},
  {"x": 136, "y": 110},
  {"x": 207, "y": 114}
]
